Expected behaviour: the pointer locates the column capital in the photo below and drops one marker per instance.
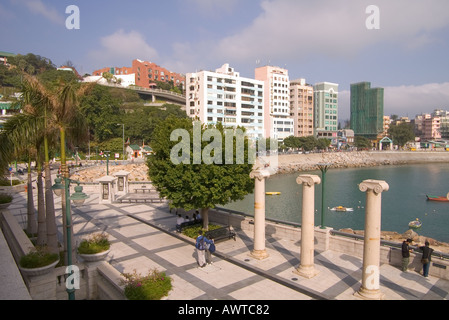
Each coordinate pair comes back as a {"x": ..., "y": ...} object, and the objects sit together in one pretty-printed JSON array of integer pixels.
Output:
[
  {"x": 308, "y": 179},
  {"x": 259, "y": 174},
  {"x": 378, "y": 186}
]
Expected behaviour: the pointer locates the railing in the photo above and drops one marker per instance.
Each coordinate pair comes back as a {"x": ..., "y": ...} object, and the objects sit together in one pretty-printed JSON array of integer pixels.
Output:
[
  {"x": 135, "y": 88},
  {"x": 388, "y": 243}
]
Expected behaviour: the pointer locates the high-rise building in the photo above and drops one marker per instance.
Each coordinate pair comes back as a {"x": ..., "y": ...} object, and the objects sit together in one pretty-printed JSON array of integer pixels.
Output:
[
  {"x": 301, "y": 107},
  {"x": 367, "y": 110},
  {"x": 277, "y": 120},
  {"x": 326, "y": 109},
  {"x": 223, "y": 96}
]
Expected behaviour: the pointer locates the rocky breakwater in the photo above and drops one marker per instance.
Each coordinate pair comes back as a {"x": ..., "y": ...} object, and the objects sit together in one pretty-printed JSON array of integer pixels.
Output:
[
  {"x": 307, "y": 162},
  {"x": 289, "y": 163}
]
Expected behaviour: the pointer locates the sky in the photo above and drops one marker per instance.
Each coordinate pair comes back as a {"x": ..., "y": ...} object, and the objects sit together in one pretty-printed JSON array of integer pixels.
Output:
[{"x": 399, "y": 45}]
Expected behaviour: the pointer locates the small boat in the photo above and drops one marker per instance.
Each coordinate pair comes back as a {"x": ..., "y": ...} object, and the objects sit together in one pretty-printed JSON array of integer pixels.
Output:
[
  {"x": 416, "y": 224},
  {"x": 437, "y": 198},
  {"x": 342, "y": 209},
  {"x": 272, "y": 193}
]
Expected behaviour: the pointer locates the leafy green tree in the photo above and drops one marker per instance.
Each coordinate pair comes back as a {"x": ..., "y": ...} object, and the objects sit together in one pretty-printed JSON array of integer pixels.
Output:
[
  {"x": 362, "y": 142},
  {"x": 308, "y": 143},
  {"x": 323, "y": 143},
  {"x": 402, "y": 133},
  {"x": 189, "y": 185},
  {"x": 292, "y": 142}
]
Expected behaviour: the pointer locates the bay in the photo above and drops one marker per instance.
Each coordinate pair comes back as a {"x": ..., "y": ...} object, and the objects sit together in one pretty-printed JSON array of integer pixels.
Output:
[{"x": 403, "y": 202}]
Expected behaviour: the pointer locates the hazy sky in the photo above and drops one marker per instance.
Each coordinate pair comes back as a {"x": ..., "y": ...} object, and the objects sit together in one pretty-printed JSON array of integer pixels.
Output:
[{"x": 321, "y": 40}]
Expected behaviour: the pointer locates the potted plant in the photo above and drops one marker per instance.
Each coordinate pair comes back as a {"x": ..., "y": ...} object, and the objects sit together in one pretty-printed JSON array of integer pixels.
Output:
[
  {"x": 5, "y": 200},
  {"x": 154, "y": 286},
  {"x": 38, "y": 262},
  {"x": 95, "y": 247}
]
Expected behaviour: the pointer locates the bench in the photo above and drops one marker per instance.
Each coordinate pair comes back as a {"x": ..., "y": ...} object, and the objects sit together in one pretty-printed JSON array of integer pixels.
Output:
[
  {"x": 143, "y": 189},
  {"x": 179, "y": 227},
  {"x": 224, "y": 233}
]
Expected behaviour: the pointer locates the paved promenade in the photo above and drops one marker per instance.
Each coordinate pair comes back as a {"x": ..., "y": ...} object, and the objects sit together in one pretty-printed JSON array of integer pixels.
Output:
[{"x": 143, "y": 236}]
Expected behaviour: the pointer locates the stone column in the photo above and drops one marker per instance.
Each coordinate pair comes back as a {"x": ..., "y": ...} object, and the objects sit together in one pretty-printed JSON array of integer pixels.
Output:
[
  {"x": 306, "y": 267},
  {"x": 259, "y": 251},
  {"x": 370, "y": 289}
]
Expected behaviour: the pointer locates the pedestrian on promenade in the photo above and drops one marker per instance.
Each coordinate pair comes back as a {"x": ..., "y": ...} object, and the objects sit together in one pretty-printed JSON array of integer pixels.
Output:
[
  {"x": 200, "y": 246},
  {"x": 426, "y": 258},
  {"x": 210, "y": 248},
  {"x": 406, "y": 254}
]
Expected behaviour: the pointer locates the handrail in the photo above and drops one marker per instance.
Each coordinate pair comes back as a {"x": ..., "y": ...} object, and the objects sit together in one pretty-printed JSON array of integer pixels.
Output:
[
  {"x": 136, "y": 88},
  {"x": 397, "y": 245}
]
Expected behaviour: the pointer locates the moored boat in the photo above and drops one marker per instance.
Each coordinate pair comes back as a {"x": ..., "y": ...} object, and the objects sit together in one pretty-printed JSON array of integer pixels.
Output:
[
  {"x": 416, "y": 224},
  {"x": 437, "y": 198},
  {"x": 341, "y": 209},
  {"x": 272, "y": 193}
]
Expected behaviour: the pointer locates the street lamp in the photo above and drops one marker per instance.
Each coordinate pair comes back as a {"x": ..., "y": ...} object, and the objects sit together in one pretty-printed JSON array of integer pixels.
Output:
[
  {"x": 106, "y": 154},
  {"x": 323, "y": 168},
  {"x": 123, "y": 155},
  {"x": 78, "y": 198}
]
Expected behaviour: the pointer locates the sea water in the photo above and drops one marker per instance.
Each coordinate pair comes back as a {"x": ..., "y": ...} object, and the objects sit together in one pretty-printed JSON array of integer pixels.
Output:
[{"x": 403, "y": 202}]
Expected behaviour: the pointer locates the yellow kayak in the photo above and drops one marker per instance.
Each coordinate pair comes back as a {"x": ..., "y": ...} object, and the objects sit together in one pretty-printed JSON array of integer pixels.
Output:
[{"x": 272, "y": 193}]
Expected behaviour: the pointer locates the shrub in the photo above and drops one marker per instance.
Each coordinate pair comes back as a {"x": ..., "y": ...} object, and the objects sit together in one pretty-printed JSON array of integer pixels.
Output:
[
  {"x": 153, "y": 286},
  {"x": 5, "y": 198},
  {"x": 192, "y": 231},
  {"x": 38, "y": 258},
  {"x": 95, "y": 243}
]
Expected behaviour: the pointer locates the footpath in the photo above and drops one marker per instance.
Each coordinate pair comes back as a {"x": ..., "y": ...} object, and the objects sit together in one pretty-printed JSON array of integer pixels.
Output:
[{"x": 144, "y": 236}]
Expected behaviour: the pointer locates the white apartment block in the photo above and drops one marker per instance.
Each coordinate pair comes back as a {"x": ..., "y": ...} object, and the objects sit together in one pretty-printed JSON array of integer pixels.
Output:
[
  {"x": 301, "y": 107},
  {"x": 278, "y": 123},
  {"x": 223, "y": 96}
]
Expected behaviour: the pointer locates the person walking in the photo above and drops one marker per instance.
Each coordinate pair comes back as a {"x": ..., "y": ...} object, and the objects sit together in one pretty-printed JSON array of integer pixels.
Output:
[
  {"x": 406, "y": 254},
  {"x": 426, "y": 258},
  {"x": 210, "y": 248},
  {"x": 200, "y": 246}
]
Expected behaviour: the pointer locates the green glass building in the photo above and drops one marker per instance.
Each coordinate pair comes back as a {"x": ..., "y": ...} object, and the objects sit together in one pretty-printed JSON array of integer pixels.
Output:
[{"x": 367, "y": 110}]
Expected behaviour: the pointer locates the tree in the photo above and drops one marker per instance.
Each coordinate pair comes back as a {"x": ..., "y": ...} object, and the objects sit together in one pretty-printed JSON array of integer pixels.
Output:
[
  {"x": 323, "y": 143},
  {"x": 362, "y": 142},
  {"x": 308, "y": 143},
  {"x": 190, "y": 186},
  {"x": 29, "y": 131},
  {"x": 402, "y": 133}
]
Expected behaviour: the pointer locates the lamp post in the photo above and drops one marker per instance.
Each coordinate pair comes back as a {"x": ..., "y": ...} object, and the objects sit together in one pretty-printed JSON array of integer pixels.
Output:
[
  {"x": 78, "y": 198},
  {"x": 122, "y": 124},
  {"x": 323, "y": 168},
  {"x": 106, "y": 154}
]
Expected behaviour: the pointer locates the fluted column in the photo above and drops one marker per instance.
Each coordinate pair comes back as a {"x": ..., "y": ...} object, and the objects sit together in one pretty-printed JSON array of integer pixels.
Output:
[
  {"x": 307, "y": 266},
  {"x": 259, "y": 251},
  {"x": 370, "y": 288}
]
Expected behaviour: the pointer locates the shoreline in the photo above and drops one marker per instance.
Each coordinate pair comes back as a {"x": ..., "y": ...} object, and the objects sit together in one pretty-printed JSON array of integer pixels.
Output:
[{"x": 290, "y": 163}]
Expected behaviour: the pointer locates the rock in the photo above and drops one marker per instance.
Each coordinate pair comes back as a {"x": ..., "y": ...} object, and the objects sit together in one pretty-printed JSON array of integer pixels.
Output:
[{"x": 410, "y": 234}]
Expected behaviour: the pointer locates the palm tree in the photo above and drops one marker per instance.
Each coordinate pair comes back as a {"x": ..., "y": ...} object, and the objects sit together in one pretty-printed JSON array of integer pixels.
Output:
[
  {"x": 34, "y": 90},
  {"x": 69, "y": 121},
  {"x": 29, "y": 131},
  {"x": 20, "y": 135}
]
